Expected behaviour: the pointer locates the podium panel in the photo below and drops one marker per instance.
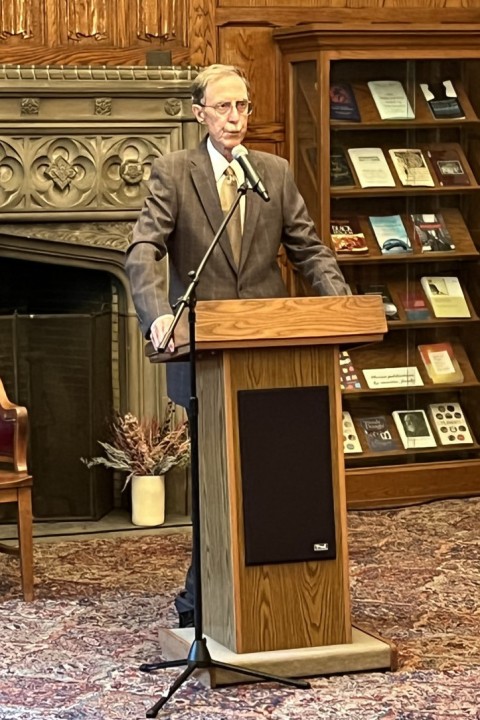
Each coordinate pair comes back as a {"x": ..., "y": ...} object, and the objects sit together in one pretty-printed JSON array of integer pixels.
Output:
[
  {"x": 286, "y": 475},
  {"x": 265, "y": 606}
]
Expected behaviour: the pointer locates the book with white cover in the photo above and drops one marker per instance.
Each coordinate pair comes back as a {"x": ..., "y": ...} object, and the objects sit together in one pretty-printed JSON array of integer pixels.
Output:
[
  {"x": 446, "y": 297},
  {"x": 390, "y": 234},
  {"x": 371, "y": 167},
  {"x": 450, "y": 424},
  {"x": 411, "y": 167},
  {"x": 351, "y": 442},
  {"x": 391, "y": 100},
  {"x": 414, "y": 429}
]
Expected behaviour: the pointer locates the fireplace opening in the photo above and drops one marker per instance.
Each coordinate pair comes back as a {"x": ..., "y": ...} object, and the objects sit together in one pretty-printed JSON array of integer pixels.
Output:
[{"x": 57, "y": 352}]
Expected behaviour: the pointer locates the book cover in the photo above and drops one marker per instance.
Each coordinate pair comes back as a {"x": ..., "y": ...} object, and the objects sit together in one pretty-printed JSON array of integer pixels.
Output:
[
  {"x": 440, "y": 363},
  {"x": 411, "y": 167},
  {"x": 391, "y": 310},
  {"x": 414, "y": 303},
  {"x": 448, "y": 166},
  {"x": 414, "y": 429},
  {"x": 377, "y": 434},
  {"x": 351, "y": 441},
  {"x": 432, "y": 232},
  {"x": 349, "y": 379},
  {"x": 371, "y": 167},
  {"x": 445, "y": 296},
  {"x": 347, "y": 236},
  {"x": 391, "y": 100},
  {"x": 450, "y": 424},
  {"x": 442, "y": 100},
  {"x": 340, "y": 173},
  {"x": 390, "y": 234},
  {"x": 343, "y": 105}
]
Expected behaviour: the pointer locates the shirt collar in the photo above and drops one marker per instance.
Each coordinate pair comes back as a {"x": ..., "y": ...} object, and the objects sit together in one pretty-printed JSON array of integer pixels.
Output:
[{"x": 220, "y": 164}]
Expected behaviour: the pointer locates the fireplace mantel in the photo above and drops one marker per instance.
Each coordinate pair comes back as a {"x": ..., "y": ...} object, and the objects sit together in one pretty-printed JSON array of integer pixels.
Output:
[{"x": 76, "y": 148}]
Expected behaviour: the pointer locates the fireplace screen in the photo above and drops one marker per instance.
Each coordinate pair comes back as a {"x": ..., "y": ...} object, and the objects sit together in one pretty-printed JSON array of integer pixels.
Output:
[{"x": 56, "y": 359}]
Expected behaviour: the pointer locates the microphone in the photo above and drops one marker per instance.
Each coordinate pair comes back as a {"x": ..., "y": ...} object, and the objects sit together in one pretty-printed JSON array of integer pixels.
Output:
[{"x": 240, "y": 154}]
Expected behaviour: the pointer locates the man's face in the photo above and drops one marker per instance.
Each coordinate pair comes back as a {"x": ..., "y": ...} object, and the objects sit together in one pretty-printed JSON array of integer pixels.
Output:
[{"x": 226, "y": 131}]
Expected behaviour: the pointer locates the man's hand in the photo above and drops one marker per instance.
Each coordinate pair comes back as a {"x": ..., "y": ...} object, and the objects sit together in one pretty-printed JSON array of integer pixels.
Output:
[{"x": 158, "y": 329}]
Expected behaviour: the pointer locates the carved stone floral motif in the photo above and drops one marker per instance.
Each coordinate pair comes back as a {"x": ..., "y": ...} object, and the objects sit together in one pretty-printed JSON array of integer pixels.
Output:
[
  {"x": 30, "y": 106},
  {"x": 103, "y": 106},
  {"x": 126, "y": 168},
  {"x": 173, "y": 106},
  {"x": 61, "y": 172},
  {"x": 12, "y": 176}
]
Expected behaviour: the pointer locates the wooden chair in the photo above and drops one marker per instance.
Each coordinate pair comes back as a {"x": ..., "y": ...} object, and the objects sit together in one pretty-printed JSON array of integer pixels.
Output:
[{"x": 16, "y": 483}]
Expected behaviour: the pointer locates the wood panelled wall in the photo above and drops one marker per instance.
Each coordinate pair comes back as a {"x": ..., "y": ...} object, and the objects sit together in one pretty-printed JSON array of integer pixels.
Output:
[{"x": 196, "y": 32}]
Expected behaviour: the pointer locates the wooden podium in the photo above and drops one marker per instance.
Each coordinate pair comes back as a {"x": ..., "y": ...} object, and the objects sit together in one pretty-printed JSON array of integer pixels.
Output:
[{"x": 268, "y": 384}]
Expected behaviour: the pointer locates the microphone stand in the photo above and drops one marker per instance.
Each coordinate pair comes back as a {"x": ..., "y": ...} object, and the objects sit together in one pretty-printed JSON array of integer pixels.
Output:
[{"x": 199, "y": 656}]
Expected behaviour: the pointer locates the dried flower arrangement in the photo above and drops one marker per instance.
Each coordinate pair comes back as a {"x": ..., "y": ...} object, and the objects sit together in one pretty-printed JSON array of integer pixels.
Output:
[{"x": 145, "y": 447}]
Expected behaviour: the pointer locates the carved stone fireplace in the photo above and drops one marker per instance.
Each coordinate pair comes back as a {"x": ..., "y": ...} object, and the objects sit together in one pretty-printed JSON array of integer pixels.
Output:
[{"x": 76, "y": 146}]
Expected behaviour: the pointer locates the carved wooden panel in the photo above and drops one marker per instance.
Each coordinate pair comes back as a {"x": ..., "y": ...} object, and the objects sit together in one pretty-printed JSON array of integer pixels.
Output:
[
  {"x": 86, "y": 19},
  {"x": 253, "y": 49},
  {"x": 162, "y": 20},
  {"x": 17, "y": 20}
]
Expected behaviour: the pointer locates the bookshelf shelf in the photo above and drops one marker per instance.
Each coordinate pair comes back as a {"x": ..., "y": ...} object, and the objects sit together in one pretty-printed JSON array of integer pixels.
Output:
[{"x": 318, "y": 58}]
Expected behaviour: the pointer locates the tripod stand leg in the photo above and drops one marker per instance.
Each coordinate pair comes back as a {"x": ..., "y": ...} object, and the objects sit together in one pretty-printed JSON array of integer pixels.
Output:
[
  {"x": 262, "y": 676},
  {"x": 153, "y": 711},
  {"x": 148, "y": 667}
]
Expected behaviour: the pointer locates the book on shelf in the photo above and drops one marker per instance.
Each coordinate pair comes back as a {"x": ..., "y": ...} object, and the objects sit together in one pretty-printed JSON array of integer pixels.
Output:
[
  {"x": 340, "y": 173},
  {"x": 351, "y": 441},
  {"x": 391, "y": 310},
  {"x": 445, "y": 296},
  {"x": 376, "y": 432},
  {"x": 390, "y": 234},
  {"x": 347, "y": 236},
  {"x": 349, "y": 379},
  {"x": 343, "y": 105},
  {"x": 448, "y": 166},
  {"x": 371, "y": 167},
  {"x": 432, "y": 233},
  {"x": 411, "y": 167},
  {"x": 440, "y": 362},
  {"x": 391, "y": 100},
  {"x": 414, "y": 429},
  {"x": 442, "y": 100},
  {"x": 414, "y": 304},
  {"x": 450, "y": 424}
]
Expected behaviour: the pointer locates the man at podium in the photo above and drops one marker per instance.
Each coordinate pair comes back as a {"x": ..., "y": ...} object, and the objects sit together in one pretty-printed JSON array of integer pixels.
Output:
[{"x": 190, "y": 193}]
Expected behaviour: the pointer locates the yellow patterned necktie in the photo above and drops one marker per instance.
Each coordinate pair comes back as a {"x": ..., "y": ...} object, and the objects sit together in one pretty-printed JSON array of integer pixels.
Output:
[{"x": 228, "y": 193}]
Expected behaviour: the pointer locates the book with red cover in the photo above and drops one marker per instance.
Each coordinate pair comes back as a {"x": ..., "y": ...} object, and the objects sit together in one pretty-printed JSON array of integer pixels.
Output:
[
  {"x": 440, "y": 362},
  {"x": 347, "y": 236},
  {"x": 343, "y": 105},
  {"x": 432, "y": 232},
  {"x": 414, "y": 304},
  {"x": 448, "y": 166}
]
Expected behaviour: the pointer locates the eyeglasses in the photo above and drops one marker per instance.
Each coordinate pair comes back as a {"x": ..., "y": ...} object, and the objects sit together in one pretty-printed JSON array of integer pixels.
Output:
[{"x": 243, "y": 107}]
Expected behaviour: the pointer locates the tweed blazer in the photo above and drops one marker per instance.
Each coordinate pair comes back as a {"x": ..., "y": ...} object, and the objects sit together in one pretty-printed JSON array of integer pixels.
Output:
[{"x": 181, "y": 216}]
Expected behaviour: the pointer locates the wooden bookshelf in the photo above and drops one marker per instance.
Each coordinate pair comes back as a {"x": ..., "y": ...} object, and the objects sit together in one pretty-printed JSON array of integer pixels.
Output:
[{"x": 314, "y": 57}]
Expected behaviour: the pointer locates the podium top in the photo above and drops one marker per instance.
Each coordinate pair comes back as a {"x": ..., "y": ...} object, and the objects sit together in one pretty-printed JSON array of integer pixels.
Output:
[{"x": 279, "y": 322}]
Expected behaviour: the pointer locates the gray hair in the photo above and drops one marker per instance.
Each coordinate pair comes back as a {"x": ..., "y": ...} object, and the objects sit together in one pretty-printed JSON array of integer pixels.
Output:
[{"x": 214, "y": 72}]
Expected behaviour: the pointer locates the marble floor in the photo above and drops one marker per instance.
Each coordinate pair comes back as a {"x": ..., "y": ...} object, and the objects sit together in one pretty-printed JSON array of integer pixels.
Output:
[{"x": 115, "y": 523}]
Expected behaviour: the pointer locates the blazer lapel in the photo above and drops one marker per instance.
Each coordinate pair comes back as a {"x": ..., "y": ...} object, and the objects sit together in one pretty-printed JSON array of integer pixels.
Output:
[{"x": 205, "y": 185}]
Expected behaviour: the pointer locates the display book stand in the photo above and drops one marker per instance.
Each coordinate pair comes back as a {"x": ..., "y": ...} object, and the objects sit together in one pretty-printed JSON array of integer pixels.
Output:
[{"x": 275, "y": 589}]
